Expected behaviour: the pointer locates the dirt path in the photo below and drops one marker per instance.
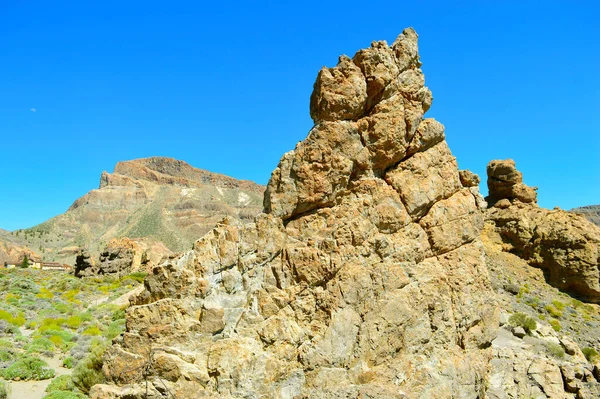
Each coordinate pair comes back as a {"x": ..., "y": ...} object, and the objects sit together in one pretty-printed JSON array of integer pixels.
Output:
[{"x": 36, "y": 389}]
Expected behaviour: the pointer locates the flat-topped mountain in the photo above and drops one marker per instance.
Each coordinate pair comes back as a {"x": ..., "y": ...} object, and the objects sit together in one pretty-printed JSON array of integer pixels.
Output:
[{"x": 158, "y": 199}]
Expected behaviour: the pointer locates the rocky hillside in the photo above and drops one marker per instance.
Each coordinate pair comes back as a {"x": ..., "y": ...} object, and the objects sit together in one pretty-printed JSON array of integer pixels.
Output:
[
  {"x": 155, "y": 199},
  {"x": 590, "y": 212},
  {"x": 375, "y": 271}
]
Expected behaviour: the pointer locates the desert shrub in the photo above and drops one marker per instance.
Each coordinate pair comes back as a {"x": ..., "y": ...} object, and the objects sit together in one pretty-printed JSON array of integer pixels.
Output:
[
  {"x": 522, "y": 320},
  {"x": 558, "y": 305},
  {"x": 28, "y": 368},
  {"x": 86, "y": 316},
  {"x": 64, "y": 395},
  {"x": 88, "y": 372},
  {"x": 74, "y": 322},
  {"x": 92, "y": 330},
  {"x": 137, "y": 276},
  {"x": 68, "y": 362},
  {"x": 17, "y": 320},
  {"x": 115, "y": 329},
  {"x": 555, "y": 350},
  {"x": 6, "y": 356},
  {"x": 4, "y": 343},
  {"x": 590, "y": 353},
  {"x": 3, "y": 390},
  {"x": 555, "y": 325},
  {"x": 553, "y": 311},
  {"x": 45, "y": 294},
  {"x": 40, "y": 345},
  {"x": 61, "y": 383}
]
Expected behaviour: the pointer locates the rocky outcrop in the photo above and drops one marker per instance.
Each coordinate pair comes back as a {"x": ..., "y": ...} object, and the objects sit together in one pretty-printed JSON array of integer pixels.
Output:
[
  {"x": 365, "y": 276},
  {"x": 120, "y": 257},
  {"x": 565, "y": 245},
  {"x": 506, "y": 182}
]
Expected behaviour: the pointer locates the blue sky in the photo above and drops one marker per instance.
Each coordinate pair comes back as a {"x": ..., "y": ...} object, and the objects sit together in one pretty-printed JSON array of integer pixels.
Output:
[{"x": 225, "y": 86}]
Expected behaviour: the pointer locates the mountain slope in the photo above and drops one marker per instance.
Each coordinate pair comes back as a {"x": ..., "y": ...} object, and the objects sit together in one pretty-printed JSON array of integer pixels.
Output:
[
  {"x": 591, "y": 213},
  {"x": 160, "y": 199}
]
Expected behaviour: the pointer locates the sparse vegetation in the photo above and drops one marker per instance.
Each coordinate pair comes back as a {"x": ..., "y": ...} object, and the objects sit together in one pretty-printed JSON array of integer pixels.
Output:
[
  {"x": 555, "y": 325},
  {"x": 555, "y": 350},
  {"x": 590, "y": 354},
  {"x": 56, "y": 308},
  {"x": 522, "y": 320}
]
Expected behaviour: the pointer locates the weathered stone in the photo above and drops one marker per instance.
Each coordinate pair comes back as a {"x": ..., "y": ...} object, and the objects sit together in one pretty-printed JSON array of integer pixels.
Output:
[
  {"x": 505, "y": 181},
  {"x": 365, "y": 277},
  {"x": 468, "y": 178}
]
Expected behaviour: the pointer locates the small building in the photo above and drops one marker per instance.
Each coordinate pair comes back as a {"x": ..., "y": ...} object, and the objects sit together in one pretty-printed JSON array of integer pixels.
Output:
[{"x": 55, "y": 266}]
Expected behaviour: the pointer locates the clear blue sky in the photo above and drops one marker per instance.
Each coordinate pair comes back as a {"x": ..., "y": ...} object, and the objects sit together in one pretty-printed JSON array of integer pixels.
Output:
[{"x": 225, "y": 86}]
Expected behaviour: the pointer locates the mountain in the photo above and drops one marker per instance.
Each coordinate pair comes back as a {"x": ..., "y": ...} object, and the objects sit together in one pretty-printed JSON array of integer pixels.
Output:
[
  {"x": 590, "y": 212},
  {"x": 152, "y": 199}
]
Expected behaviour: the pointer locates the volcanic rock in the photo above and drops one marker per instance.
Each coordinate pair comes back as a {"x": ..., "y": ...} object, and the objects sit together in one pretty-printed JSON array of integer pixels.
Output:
[
  {"x": 365, "y": 276},
  {"x": 565, "y": 245},
  {"x": 506, "y": 182}
]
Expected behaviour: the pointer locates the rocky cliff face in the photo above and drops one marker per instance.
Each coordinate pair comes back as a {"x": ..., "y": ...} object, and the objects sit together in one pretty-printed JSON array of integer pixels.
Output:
[
  {"x": 152, "y": 200},
  {"x": 365, "y": 276},
  {"x": 565, "y": 245}
]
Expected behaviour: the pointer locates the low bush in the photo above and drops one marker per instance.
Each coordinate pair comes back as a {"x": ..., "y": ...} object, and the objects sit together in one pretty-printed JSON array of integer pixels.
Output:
[
  {"x": 555, "y": 325},
  {"x": 68, "y": 362},
  {"x": 590, "y": 354},
  {"x": 553, "y": 311},
  {"x": 64, "y": 395},
  {"x": 61, "y": 383},
  {"x": 522, "y": 320},
  {"x": 40, "y": 345},
  {"x": 3, "y": 390},
  {"x": 28, "y": 368},
  {"x": 555, "y": 350},
  {"x": 88, "y": 372}
]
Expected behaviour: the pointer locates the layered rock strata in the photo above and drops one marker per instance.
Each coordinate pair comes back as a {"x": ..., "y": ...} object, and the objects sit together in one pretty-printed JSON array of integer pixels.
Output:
[
  {"x": 365, "y": 276},
  {"x": 565, "y": 245}
]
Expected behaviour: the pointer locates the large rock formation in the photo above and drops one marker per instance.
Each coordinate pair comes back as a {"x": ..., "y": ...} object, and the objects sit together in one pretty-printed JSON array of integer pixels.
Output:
[
  {"x": 565, "y": 245},
  {"x": 364, "y": 278},
  {"x": 160, "y": 200},
  {"x": 121, "y": 256}
]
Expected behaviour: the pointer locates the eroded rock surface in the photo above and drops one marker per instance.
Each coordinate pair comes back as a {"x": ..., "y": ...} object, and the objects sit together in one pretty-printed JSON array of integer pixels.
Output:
[
  {"x": 365, "y": 276},
  {"x": 506, "y": 182},
  {"x": 565, "y": 245}
]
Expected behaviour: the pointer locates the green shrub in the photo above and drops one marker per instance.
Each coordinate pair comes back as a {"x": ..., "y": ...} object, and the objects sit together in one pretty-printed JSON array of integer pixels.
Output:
[
  {"x": 137, "y": 276},
  {"x": 61, "y": 383},
  {"x": 68, "y": 362},
  {"x": 6, "y": 356},
  {"x": 64, "y": 395},
  {"x": 28, "y": 368},
  {"x": 92, "y": 330},
  {"x": 3, "y": 390},
  {"x": 553, "y": 311},
  {"x": 88, "y": 372},
  {"x": 555, "y": 325},
  {"x": 522, "y": 320},
  {"x": 74, "y": 322},
  {"x": 40, "y": 345},
  {"x": 590, "y": 353},
  {"x": 115, "y": 329},
  {"x": 555, "y": 350}
]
